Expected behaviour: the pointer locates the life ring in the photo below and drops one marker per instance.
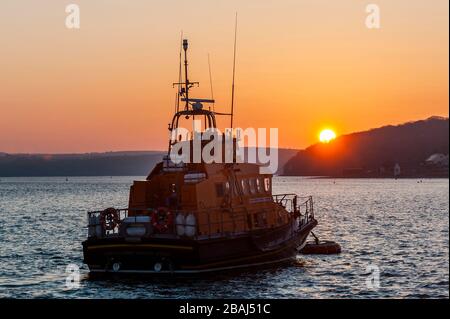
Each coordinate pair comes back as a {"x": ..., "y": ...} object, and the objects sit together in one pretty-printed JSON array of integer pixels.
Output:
[
  {"x": 162, "y": 219},
  {"x": 109, "y": 218}
]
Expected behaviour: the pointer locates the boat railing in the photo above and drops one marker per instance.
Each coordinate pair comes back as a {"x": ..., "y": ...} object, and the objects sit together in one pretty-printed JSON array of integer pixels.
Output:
[
  {"x": 227, "y": 223},
  {"x": 302, "y": 206},
  {"x": 206, "y": 224},
  {"x": 237, "y": 222},
  {"x": 96, "y": 228}
]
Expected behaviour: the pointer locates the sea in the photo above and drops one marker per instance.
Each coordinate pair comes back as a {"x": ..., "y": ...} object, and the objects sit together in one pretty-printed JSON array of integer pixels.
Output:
[{"x": 394, "y": 236}]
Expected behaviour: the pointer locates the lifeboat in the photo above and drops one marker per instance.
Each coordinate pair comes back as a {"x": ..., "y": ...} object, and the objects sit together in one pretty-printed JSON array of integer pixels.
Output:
[
  {"x": 327, "y": 247},
  {"x": 192, "y": 216}
]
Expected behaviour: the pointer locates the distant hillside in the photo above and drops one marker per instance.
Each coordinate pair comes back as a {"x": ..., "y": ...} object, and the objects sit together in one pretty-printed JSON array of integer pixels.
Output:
[
  {"x": 284, "y": 155},
  {"x": 373, "y": 153},
  {"x": 137, "y": 163},
  {"x": 91, "y": 164}
]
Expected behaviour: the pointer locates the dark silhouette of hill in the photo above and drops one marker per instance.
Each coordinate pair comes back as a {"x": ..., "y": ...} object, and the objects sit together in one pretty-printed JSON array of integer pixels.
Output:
[
  {"x": 134, "y": 163},
  {"x": 374, "y": 152},
  {"x": 92, "y": 164}
]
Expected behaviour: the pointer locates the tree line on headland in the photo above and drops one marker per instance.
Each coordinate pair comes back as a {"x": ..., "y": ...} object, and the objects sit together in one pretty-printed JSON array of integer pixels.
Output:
[{"x": 404, "y": 150}]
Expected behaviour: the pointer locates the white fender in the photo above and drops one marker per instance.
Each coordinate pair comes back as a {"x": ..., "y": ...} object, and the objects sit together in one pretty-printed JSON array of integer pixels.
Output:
[
  {"x": 180, "y": 221},
  {"x": 191, "y": 225}
]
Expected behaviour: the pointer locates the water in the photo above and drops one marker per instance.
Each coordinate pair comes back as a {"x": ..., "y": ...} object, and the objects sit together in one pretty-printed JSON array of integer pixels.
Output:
[{"x": 399, "y": 227}]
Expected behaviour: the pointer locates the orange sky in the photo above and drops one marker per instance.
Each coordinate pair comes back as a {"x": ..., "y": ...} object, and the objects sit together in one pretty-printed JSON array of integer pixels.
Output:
[{"x": 302, "y": 65}]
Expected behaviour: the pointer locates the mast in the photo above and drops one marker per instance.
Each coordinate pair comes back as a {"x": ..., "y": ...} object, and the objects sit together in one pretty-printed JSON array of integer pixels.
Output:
[
  {"x": 184, "y": 91},
  {"x": 196, "y": 104}
]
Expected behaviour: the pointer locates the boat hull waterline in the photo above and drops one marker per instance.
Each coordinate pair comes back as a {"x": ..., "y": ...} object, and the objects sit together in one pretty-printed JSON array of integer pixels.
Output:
[{"x": 186, "y": 256}]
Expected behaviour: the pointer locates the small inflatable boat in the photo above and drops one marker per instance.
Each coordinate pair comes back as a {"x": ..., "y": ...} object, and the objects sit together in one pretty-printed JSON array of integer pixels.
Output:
[{"x": 321, "y": 248}]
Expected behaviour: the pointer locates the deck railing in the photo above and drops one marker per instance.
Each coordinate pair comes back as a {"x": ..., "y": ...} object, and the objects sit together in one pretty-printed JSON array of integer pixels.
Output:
[
  {"x": 302, "y": 205},
  {"x": 218, "y": 226}
]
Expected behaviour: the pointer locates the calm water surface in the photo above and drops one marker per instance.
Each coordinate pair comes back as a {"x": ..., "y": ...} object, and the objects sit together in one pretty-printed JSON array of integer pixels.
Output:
[{"x": 399, "y": 226}]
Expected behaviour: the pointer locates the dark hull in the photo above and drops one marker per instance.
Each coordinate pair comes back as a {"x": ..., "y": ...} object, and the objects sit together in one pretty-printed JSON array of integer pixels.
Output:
[{"x": 186, "y": 256}]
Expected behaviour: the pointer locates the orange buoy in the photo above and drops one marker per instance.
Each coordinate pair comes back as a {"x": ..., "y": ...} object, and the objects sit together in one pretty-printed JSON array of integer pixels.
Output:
[{"x": 321, "y": 248}]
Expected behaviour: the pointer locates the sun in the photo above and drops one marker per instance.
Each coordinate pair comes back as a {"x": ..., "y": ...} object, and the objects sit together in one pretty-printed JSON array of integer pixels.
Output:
[{"x": 327, "y": 135}]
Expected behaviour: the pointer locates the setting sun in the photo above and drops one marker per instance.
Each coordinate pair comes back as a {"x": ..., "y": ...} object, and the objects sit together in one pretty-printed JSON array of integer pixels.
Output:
[{"x": 326, "y": 136}]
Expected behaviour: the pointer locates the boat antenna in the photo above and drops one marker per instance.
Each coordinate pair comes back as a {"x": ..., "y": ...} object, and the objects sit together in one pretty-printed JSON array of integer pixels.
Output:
[
  {"x": 186, "y": 85},
  {"x": 186, "y": 79},
  {"x": 210, "y": 81},
  {"x": 179, "y": 73},
  {"x": 234, "y": 71}
]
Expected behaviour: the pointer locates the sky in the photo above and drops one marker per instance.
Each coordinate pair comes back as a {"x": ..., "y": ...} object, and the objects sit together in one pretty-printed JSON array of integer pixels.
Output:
[{"x": 301, "y": 66}]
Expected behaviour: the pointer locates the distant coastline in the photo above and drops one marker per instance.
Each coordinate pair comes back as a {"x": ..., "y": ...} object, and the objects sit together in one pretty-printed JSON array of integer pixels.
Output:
[
  {"x": 132, "y": 163},
  {"x": 417, "y": 149},
  {"x": 89, "y": 164}
]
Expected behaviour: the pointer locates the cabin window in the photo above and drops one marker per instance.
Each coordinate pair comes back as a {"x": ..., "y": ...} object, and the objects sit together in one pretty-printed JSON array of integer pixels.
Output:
[
  {"x": 235, "y": 189},
  {"x": 227, "y": 187},
  {"x": 220, "y": 190},
  {"x": 252, "y": 186},
  {"x": 267, "y": 184},
  {"x": 258, "y": 186},
  {"x": 244, "y": 186}
]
